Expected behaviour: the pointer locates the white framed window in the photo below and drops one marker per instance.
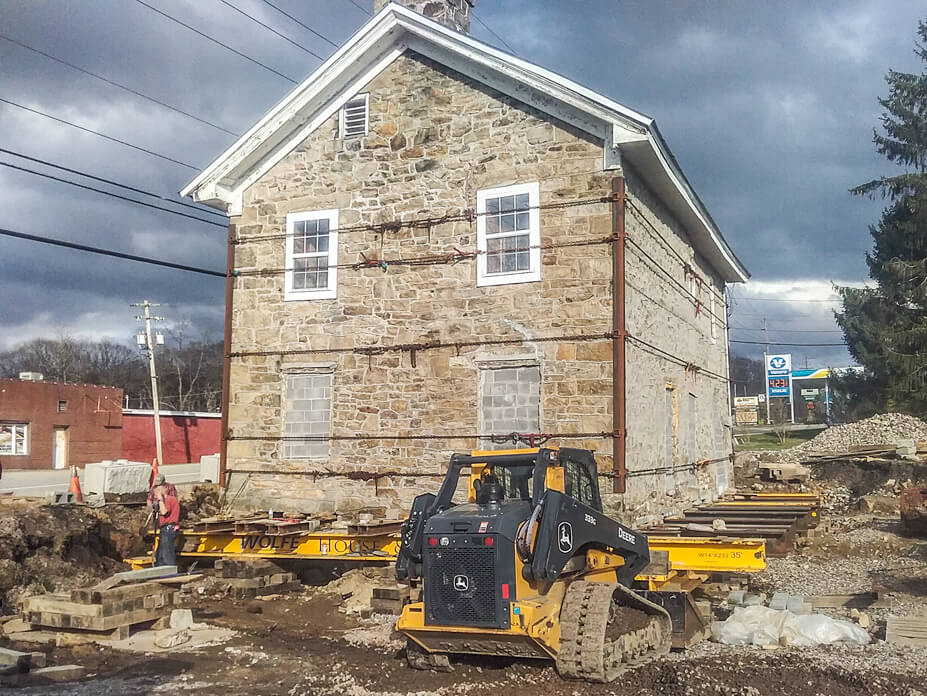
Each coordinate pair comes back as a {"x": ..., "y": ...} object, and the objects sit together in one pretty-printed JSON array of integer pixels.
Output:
[
  {"x": 355, "y": 117},
  {"x": 14, "y": 438},
  {"x": 311, "y": 255},
  {"x": 508, "y": 235}
]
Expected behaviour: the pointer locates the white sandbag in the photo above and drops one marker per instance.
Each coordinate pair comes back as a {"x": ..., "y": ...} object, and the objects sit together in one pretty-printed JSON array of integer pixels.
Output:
[
  {"x": 817, "y": 629},
  {"x": 758, "y": 625}
]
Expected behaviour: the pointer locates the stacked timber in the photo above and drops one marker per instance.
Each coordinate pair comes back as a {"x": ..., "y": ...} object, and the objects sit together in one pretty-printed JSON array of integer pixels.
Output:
[
  {"x": 781, "y": 519},
  {"x": 108, "y": 611},
  {"x": 110, "y": 608},
  {"x": 250, "y": 578}
]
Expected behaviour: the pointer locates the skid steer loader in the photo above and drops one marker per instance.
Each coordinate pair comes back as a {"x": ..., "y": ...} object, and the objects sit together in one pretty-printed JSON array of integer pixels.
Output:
[{"x": 528, "y": 567}]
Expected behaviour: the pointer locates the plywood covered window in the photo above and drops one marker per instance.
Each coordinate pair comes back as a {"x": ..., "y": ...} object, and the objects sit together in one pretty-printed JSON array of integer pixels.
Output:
[{"x": 311, "y": 255}]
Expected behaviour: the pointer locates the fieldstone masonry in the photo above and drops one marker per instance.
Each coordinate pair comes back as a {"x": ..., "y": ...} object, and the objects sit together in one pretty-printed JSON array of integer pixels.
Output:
[{"x": 435, "y": 139}]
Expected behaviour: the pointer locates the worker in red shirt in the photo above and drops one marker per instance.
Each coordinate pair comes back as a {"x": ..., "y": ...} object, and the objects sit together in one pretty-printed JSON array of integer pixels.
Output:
[{"x": 168, "y": 525}]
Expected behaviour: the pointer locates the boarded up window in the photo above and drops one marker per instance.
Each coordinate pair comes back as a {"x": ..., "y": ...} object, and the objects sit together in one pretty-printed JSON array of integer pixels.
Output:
[
  {"x": 510, "y": 401},
  {"x": 307, "y": 414}
]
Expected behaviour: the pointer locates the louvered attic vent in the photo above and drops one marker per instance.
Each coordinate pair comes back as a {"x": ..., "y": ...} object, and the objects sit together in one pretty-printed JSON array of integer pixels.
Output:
[{"x": 354, "y": 117}]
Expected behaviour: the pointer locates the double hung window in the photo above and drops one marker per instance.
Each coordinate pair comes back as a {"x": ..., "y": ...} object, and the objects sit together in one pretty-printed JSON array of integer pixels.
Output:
[
  {"x": 311, "y": 255},
  {"x": 508, "y": 235}
]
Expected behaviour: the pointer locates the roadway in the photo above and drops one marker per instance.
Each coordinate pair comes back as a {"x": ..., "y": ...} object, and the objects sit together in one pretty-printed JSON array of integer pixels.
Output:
[{"x": 37, "y": 483}]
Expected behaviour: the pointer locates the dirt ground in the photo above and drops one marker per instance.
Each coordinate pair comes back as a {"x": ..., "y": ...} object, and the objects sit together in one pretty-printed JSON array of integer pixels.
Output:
[{"x": 304, "y": 644}]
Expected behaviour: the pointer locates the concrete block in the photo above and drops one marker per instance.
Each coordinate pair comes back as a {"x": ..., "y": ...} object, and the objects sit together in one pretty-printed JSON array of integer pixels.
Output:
[
  {"x": 779, "y": 601},
  {"x": 181, "y": 618},
  {"x": 119, "y": 477},
  {"x": 209, "y": 468}
]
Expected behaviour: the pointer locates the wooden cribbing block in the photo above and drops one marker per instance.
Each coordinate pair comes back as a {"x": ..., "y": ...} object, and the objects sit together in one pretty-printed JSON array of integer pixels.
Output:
[
  {"x": 860, "y": 600},
  {"x": 95, "y": 596},
  {"x": 16, "y": 661},
  {"x": 906, "y": 630}
]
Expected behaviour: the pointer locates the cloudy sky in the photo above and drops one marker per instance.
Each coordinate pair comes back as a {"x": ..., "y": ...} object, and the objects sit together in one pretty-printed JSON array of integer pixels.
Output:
[{"x": 769, "y": 107}]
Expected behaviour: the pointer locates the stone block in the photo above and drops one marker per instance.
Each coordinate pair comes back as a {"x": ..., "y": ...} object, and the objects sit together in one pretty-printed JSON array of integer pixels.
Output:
[{"x": 116, "y": 477}]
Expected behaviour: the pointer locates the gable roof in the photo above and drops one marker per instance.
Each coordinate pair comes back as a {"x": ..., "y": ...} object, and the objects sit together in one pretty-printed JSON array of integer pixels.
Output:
[{"x": 625, "y": 133}]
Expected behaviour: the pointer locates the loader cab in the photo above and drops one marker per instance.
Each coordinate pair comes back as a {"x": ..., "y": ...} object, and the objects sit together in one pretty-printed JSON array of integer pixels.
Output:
[{"x": 521, "y": 477}]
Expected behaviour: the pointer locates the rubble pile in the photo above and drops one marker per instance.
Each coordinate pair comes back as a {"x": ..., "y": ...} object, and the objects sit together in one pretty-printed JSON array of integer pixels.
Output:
[
  {"x": 61, "y": 547},
  {"x": 884, "y": 428},
  {"x": 199, "y": 503}
]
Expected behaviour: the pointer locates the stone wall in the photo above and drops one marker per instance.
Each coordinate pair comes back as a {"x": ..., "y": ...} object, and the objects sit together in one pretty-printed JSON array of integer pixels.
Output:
[{"x": 435, "y": 139}]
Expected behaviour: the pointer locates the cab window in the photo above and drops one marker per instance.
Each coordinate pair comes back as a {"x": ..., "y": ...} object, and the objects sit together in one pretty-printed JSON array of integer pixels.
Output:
[
  {"x": 579, "y": 484},
  {"x": 516, "y": 481}
]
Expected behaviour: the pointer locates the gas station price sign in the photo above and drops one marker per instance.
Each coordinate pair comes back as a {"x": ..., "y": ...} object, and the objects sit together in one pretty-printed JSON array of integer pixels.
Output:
[{"x": 779, "y": 375}]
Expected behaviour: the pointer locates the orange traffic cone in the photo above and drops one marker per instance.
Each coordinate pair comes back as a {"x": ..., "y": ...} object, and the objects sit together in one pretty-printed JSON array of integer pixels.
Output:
[
  {"x": 75, "y": 486},
  {"x": 154, "y": 471}
]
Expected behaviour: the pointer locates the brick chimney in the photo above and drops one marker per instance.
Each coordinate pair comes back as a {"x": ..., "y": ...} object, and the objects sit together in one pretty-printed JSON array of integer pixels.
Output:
[{"x": 451, "y": 13}]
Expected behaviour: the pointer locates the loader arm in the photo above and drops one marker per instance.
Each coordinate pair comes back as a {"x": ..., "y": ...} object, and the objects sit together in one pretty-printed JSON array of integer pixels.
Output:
[{"x": 568, "y": 528}]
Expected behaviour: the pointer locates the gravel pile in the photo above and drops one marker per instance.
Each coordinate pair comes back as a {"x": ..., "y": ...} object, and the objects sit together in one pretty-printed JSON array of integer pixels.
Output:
[{"x": 884, "y": 428}]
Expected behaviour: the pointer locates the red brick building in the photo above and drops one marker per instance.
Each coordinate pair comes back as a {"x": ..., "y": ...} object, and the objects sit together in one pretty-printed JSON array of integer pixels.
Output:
[
  {"x": 185, "y": 435},
  {"x": 53, "y": 425}
]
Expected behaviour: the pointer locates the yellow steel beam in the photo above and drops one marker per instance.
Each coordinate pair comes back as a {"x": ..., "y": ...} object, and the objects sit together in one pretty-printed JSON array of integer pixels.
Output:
[
  {"x": 712, "y": 555},
  {"x": 315, "y": 545}
]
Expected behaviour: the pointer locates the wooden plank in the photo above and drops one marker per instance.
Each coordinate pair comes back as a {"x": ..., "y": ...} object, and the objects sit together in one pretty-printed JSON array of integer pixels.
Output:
[
  {"x": 907, "y": 630},
  {"x": 58, "y": 605},
  {"x": 130, "y": 576},
  {"x": 860, "y": 600},
  {"x": 95, "y": 596},
  {"x": 20, "y": 661},
  {"x": 179, "y": 579},
  {"x": 96, "y": 623}
]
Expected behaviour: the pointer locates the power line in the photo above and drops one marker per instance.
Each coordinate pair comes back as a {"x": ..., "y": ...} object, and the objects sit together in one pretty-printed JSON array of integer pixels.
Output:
[
  {"x": 110, "y": 182},
  {"x": 779, "y": 299},
  {"x": 744, "y": 328},
  {"x": 304, "y": 26},
  {"x": 215, "y": 41},
  {"x": 120, "y": 86},
  {"x": 109, "y": 193},
  {"x": 102, "y": 135},
  {"x": 109, "y": 252},
  {"x": 489, "y": 29},
  {"x": 271, "y": 29},
  {"x": 779, "y": 343}
]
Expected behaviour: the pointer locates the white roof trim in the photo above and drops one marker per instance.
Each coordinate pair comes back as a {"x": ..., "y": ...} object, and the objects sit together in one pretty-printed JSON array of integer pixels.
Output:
[{"x": 380, "y": 41}]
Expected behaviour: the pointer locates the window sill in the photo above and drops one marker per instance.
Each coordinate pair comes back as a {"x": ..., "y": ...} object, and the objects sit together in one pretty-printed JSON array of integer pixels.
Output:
[
  {"x": 508, "y": 278},
  {"x": 295, "y": 295}
]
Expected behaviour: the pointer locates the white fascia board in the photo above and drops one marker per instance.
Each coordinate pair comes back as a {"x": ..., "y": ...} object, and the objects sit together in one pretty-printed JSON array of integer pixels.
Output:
[
  {"x": 662, "y": 151},
  {"x": 367, "y": 34},
  {"x": 439, "y": 33},
  {"x": 317, "y": 118}
]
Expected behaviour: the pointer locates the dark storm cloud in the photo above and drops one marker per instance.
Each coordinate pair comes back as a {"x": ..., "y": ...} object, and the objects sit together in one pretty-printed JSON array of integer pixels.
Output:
[{"x": 769, "y": 107}]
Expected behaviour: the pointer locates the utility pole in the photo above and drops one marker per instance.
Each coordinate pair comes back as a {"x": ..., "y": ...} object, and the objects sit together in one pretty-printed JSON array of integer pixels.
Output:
[
  {"x": 765, "y": 335},
  {"x": 145, "y": 340}
]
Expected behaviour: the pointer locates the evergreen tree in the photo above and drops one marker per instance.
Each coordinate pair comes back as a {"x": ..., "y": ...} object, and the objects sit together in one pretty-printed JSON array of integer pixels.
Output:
[{"x": 885, "y": 325}]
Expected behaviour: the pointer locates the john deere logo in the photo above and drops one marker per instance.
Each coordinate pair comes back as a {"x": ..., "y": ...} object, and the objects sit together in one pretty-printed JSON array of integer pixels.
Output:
[
  {"x": 565, "y": 537},
  {"x": 461, "y": 583}
]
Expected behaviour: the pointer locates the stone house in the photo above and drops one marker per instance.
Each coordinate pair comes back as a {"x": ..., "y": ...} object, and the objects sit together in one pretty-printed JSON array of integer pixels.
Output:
[{"x": 433, "y": 242}]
